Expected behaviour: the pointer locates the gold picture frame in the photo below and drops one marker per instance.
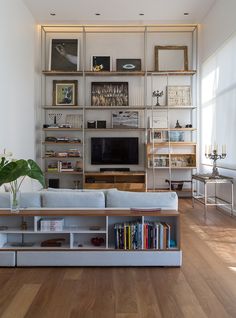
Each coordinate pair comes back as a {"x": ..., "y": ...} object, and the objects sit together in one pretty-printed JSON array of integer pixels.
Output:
[
  {"x": 181, "y": 51},
  {"x": 65, "y": 93}
]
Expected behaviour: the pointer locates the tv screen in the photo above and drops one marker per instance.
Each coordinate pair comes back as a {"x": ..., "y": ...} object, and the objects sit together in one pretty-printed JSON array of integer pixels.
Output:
[{"x": 114, "y": 151}]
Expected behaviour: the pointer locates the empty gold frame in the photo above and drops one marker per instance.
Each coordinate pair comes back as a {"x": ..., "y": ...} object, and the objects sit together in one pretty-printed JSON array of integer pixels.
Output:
[{"x": 171, "y": 58}]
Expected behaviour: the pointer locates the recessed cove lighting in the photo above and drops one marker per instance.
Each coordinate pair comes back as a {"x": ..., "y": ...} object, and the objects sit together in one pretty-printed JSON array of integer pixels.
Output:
[
  {"x": 97, "y": 13},
  {"x": 141, "y": 13},
  {"x": 186, "y": 13},
  {"x": 52, "y": 14}
]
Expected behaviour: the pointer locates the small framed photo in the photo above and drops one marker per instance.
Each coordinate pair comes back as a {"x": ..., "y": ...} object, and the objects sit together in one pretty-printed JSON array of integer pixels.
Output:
[
  {"x": 128, "y": 65},
  {"x": 109, "y": 94},
  {"x": 65, "y": 92},
  {"x": 100, "y": 63},
  {"x": 125, "y": 119},
  {"x": 158, "y": 122},
  {"x": 179, "y": 96},
  {"x": 64, "y": 55},
  {"x": 156, "y": 136}
]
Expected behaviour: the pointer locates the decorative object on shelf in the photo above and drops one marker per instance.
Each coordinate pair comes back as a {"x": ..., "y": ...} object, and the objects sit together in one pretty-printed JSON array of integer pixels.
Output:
[
  {"x": 179, "y": 96},
  {"x": 76, "y": 184},
  {"x": 188, "y": 126},
  {"x": 64, "y": 55},
  {"x": 171, "y": 58},
  {"x": 176, "y": 135},
  {"x": 177, "y": 125},
  {"x": 211, "y": 152},
  {"x": 128, "y": 65},
  {"x": 158, "y": 122},
  {"x": 101, "y": 124},
  {"x": 14, "y": 172},
  {"x": 158, "y": 161},
  {"x": 125, "y": 119},
  {"x": 101, "y": 63},
  {"x": 175, "y": 185},
  {"x": 157, "y": 94},
  {"x": 57, "y": 242},
  {"x": 94, "y": 228},
  {"x": 65, "y": 92},
  {"x": 156, "y": 136},
  {"x": 91, "y": 124},
  {"x": 55, "y": 117},
  {"x": 97, "y": 241},
  {"x": 24, "y": 225},
  {"x": 109, "y": 94},
  {"x": 75, "y": 120}
]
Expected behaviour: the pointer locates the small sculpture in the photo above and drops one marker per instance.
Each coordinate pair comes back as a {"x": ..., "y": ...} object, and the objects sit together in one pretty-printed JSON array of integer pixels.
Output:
[
  {"x": 177, "y": 125},
  {"x": 157, "y": 94}
]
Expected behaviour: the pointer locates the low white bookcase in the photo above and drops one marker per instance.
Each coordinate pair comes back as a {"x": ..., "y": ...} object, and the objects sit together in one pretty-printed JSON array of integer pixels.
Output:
[{"x": 80, "y": 226}]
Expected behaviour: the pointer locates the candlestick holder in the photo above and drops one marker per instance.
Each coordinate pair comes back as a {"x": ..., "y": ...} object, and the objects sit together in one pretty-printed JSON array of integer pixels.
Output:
[
  {"x": 215, "y": 156},
  {"x": 157, "y": 94}
]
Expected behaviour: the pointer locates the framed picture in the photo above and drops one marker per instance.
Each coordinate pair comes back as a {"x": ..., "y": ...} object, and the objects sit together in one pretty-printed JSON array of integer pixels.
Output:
[
  {"x": 65, "y": 92},
  {"x": 130, "y": 65},
  {"x": 64, "y": 55},
  {"x": 75, "y": 120},
  {"x": 156, "y": 136},
  {"x": 171, "y": 58},
  {"x": 125, "y": 119},
  {"x": 109, "y": 94},
  {"x": 100, "y": 63},
  {"x": 158, "y": 122},
  {"x": 179, "y": 96}
]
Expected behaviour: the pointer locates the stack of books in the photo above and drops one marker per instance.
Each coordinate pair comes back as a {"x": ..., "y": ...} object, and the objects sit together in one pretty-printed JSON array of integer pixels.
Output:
[{"x": 128, "y": 236}]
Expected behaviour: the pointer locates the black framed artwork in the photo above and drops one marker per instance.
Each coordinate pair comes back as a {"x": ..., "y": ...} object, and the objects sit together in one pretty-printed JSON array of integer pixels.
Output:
[
  {"x": 64, "y": 55},
  {"x": 128, "y": 65},
  {"x": 101, "y": 63}
]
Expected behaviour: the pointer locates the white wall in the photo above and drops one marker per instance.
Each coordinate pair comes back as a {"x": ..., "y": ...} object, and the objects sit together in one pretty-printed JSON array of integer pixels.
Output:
[
  {"x": 17, "y": 79},
  {"x": 17, "y": 118},
  {"x": 218, "y": 25}
]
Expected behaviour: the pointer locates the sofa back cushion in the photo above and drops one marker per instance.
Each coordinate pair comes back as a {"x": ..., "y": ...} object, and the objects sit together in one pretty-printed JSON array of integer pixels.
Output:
[
  {"x": 27, "y": 200},
  {"x": 126, "y": 199},
  {"x": 71, "y": 199}
]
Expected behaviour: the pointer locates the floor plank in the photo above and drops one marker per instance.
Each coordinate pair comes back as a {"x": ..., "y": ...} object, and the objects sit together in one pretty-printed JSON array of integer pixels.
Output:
[{"x": 203, "y": 287}]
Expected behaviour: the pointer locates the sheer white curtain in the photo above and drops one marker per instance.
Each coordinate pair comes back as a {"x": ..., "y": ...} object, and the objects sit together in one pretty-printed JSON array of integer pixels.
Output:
[{"x": 218, "y": 102}]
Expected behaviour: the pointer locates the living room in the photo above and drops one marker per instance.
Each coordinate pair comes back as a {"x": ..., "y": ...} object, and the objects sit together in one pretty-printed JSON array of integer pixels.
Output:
[{"x": 153, "y": 84}]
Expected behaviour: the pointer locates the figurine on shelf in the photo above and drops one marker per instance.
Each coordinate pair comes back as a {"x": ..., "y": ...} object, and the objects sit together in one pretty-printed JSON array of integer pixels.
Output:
[
  {"x": 177, "y": 125},
  {"x": 157, "y": 94}
]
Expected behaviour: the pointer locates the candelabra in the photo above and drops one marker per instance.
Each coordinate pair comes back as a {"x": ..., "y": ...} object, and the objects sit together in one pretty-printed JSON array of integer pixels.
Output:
[
  {"x": 213, "y": 155},
  {"x": 157, "y": 94}
]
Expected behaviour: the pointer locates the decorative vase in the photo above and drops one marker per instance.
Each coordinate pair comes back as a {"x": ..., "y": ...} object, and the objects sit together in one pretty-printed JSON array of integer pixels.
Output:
[{"x": 15, "y": 201}]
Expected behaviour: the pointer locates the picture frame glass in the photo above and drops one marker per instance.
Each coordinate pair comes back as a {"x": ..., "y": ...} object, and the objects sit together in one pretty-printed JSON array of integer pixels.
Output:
[
  {"x": 65, "y": 93},
  {"x": 101, "y": 63},
  {"x": 109, "y": 94},
  {"x": 125, "y": 119},
  {"x": 64, "y": 55},
  {"x": 179, "y": 95},
  {"x": 171, "y": 58}
]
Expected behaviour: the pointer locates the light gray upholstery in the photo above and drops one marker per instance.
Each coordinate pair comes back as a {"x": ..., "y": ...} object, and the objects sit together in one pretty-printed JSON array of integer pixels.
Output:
[
  {"x": 27, "y": 200},
  {"x": 125, "y": 199},
  {"x": 73, "y": 199}
]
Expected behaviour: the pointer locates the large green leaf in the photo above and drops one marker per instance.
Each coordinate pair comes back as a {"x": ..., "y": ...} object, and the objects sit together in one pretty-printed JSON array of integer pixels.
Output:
[
  {"x": 13, "y": 170},
  {"x": 35, "y": 172}
]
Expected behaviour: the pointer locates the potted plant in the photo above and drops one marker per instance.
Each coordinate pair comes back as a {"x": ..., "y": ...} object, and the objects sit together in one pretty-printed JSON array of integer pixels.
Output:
[{"x": 14, "y": 172}]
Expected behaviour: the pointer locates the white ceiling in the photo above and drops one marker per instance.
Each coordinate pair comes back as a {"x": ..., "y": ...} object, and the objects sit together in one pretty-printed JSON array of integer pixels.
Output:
[{"x": 118, "y": 11}]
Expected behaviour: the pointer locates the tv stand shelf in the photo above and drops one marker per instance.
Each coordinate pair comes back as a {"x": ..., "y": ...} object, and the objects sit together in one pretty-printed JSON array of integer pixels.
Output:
[{"x": 122, "y": 180}]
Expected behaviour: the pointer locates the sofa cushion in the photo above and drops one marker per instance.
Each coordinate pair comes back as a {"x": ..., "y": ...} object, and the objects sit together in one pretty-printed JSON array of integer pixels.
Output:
[
  {"x": 71, "y": 199},
  {"x": 27, "y": 200},
  {"x": 126, "y": 199}
]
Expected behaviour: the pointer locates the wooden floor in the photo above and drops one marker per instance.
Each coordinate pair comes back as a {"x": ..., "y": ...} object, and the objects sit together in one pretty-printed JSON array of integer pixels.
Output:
[{"x": 205, "y": 286}]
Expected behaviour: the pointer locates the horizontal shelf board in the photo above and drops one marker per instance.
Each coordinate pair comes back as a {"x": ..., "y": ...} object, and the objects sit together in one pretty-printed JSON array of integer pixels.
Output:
[
  {"x": 110, "y": 212},
  {"x": 62, "y": 129},
  {"x": 172, "y": 143},
  {"x": 115, "y": 173},
  {"x": 171, "y": 154},
  {"x": 172, "y": 129},
  {"x": 62, "y": 158},
  {"x": 63, "y": 172},
  {"x": 61, "y": 143},
  {"x": 114, "y": 129},
  {"x": 141, "y": 107},
  {"x": 36, "y": 246},
  {"x": 63, "y": 107},
  {"x": 169, "y": 72},
  {"x": 172, "y": 168},
  {"x": 115, "y": 73},
  {"x": 166, "y": 107},
  {"x": 168, "y": 190},
  {"x": 62, "y": 73}
]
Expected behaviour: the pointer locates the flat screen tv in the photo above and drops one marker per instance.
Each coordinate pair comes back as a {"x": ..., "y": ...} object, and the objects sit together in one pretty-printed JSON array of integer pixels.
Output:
[{"x": 114, "y": 151}]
